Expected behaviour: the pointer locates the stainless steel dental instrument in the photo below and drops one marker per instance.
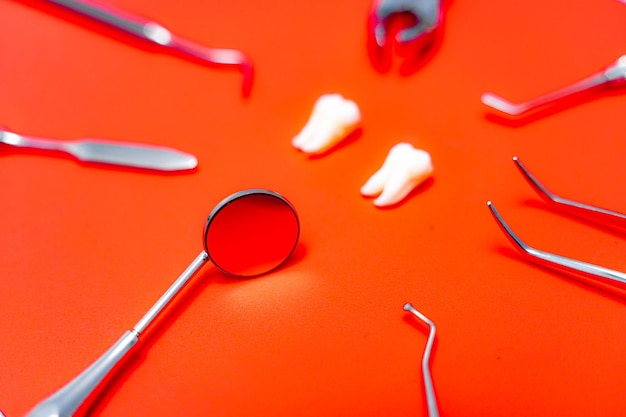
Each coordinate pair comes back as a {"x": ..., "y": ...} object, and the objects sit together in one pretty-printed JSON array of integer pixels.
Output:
[
  {"x": 612, "y": 76},
  {"x": 599, "y": 215},
  {"x": 595, "y": 214},
  {"x": 426, "y": 15},
  {"x": 419, "y": 21},
  {"x": 152, "y": 32},
  {"x": 249, "y": 233},
  {"x": 431, "y": 399},
  {"x": 107, "y": 152}
]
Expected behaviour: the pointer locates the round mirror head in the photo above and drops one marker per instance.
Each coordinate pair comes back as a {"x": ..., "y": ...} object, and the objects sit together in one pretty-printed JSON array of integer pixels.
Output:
[{"x": 251, "y": 232}]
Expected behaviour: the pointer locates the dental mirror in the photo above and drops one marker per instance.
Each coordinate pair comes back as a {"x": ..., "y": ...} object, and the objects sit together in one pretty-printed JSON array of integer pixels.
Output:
[
  {"x": 247, "y": 234},
  {"x": 251, "y": 233}
]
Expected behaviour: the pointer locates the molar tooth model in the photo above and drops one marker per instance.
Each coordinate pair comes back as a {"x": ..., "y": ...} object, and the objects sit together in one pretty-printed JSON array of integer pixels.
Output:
[
  {"x": 404, "y": 169},
  {"x": 332, "y": 120}
]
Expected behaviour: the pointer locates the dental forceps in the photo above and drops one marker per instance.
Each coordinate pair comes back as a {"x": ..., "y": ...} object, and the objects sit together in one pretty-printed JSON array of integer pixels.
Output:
[
  {"x": 612, "y": 76},
  {"x": 152, "y": 32},
  {"x": 431, "y": 399},
  {"x": 595, "y": 214},
  {"x": 425, "y": 15}
]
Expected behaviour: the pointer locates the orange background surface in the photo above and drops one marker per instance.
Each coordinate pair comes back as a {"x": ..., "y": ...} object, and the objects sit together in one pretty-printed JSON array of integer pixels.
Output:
[{"x": 86, "y": 250}]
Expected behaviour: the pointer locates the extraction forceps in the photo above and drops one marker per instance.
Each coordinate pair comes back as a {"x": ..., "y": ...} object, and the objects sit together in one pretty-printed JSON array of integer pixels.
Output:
[
  {"x": 425, "y": 17},
  {"x": 612, "y": 76},
  {"x": 431, "y": 399},
  {"x": 152, "y": 32},
  {"x": 597, "y": 215}
]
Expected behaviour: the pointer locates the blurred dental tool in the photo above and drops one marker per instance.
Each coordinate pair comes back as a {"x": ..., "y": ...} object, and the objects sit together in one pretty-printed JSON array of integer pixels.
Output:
[
  {"x": 135, "y": 155},
  {"x": 415, "y": 24},
  {"x": 431, "y": 399},
  {"x": 403, "y": 170},
  {"x": 333, "y": 118},
  {"x": 152, "y": 32},
  {"x": 426, "y": 16},
  {"x": 612, "y": 76}
]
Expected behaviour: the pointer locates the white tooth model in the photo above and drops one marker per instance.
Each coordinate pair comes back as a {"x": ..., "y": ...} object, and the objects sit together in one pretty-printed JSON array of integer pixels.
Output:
[
  {"x": 333, "y": 118},
  {"x": 404, "y": 169}
]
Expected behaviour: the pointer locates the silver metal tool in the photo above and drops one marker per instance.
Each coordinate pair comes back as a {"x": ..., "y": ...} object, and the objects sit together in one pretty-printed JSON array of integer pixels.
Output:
[
  {"x": 247, "y": 234},
  {"x": 596, "y": 214},
  {"x": 108, "y": 152},
  {"x": 613, "y": 75},
  {"x": 152, "y": 32},
  {"x": 415, "y": 26},
  {"x": 426, "y": 15},
  {"x": 431, "y": 399}
]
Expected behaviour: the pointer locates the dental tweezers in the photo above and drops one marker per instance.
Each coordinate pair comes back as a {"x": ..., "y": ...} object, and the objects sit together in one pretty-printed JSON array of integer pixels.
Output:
[{"x": 595, "y": 214}]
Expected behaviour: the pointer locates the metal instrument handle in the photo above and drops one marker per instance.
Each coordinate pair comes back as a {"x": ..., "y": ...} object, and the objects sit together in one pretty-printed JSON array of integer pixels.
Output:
[
  {"x": 134, "y": 25},
  {"x": 67, "y": 401}
]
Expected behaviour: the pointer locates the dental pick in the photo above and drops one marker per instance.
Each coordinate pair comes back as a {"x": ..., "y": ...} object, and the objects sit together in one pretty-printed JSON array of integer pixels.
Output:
[
  {"x": 612, "y": 76},
  {"x": 431, "y": 399},
  {"x": 152, "y": 32}
]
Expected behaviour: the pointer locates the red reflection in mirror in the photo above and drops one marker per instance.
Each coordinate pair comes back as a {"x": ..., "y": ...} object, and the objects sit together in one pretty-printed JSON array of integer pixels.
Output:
[{"x": 251, "y": 233}]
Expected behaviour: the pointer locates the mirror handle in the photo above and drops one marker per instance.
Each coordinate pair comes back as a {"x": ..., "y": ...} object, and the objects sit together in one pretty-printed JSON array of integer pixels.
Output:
[{"x": 76, "y": 393}]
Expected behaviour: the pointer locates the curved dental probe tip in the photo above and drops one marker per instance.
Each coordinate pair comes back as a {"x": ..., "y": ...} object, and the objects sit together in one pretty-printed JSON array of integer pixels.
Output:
[
  {"x": 595, "y": 272},
  {"x": 614, "y": 74},
  {"x": 216, "y": 56},
  {"x": 431, "y": 399},
  {"x": 598, "y": 215},
  {"x": 503, "y": 105}
]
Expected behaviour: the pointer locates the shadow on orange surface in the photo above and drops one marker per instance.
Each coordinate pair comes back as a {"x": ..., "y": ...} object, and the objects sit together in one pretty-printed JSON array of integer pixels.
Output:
[
  {"x": 348, "y": 140},
  {"x": 612, "y": 228},
  {"x": 424, "y": 329},
  {"x": 616, "y": 292}
]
